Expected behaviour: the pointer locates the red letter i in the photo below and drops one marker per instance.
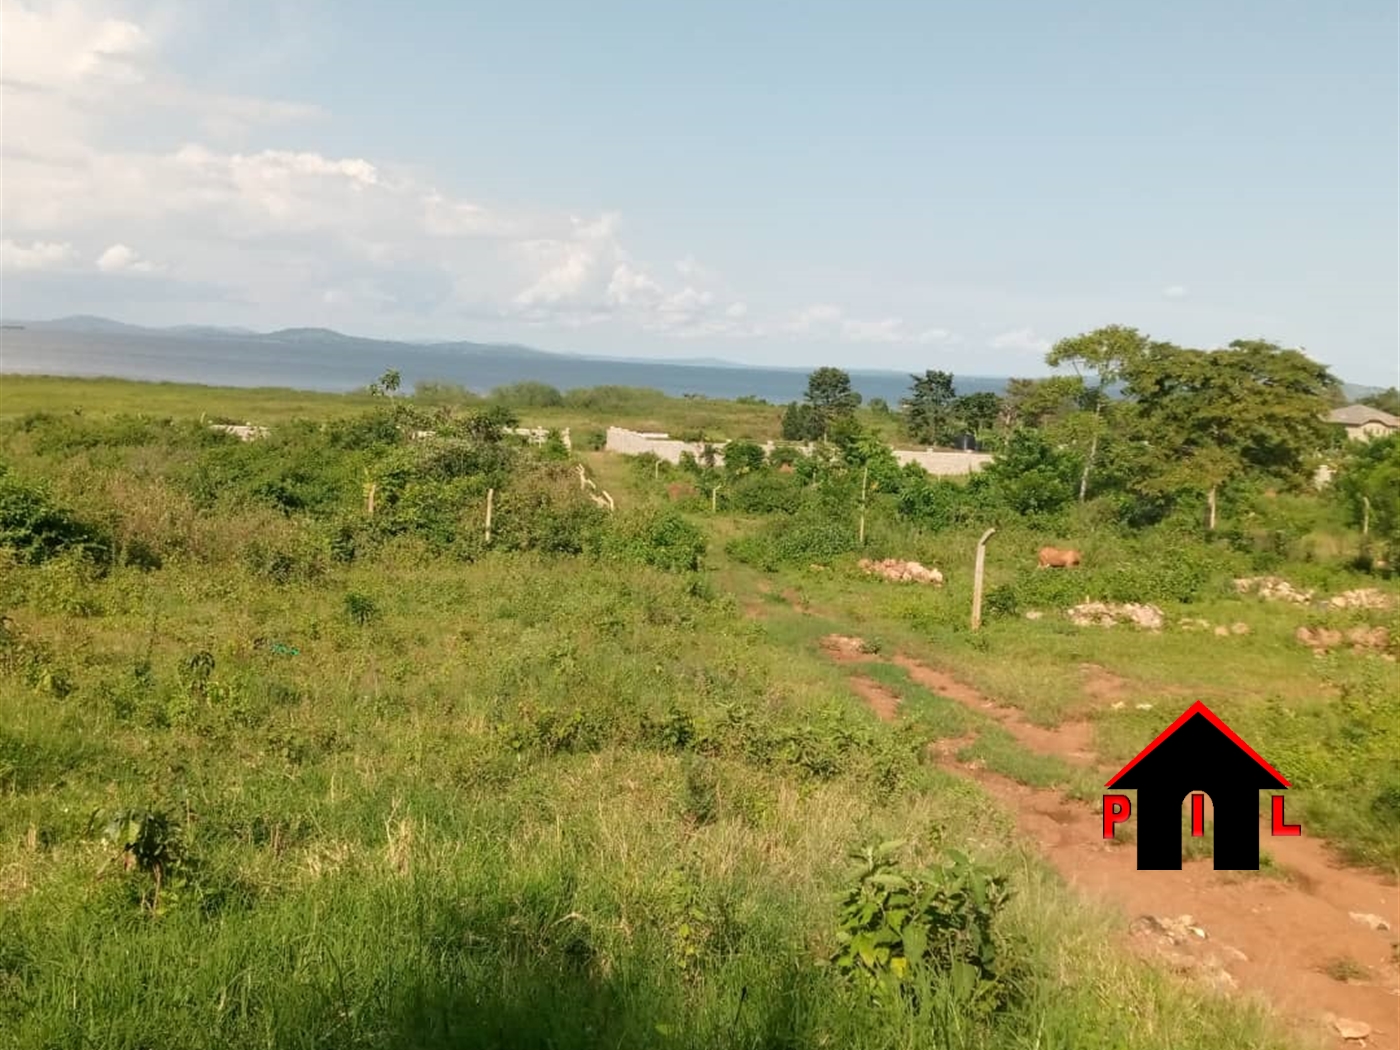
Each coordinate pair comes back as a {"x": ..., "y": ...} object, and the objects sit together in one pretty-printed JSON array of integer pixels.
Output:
[{"x": 1198, "y": 816}]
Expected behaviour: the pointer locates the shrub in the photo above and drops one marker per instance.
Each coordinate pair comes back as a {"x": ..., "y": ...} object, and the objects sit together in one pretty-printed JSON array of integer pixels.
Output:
[
  {"x": 662, "y": 538},
  {"x": 528, "y": 394},
  {"x": 36, "y": 529},
  {"x": 766, "y": 492},
  {"x": 897, "y": 928}
]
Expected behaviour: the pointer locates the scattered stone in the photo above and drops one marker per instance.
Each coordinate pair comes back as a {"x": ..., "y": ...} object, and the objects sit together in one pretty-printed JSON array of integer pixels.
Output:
[
  {"x": 1178, "y": 930},
  {"x": 1362, "y": 639},
  {"x": 902, "y": 571},
  {"x": 1234, "y": 953},
  {"x": 1118, "y": 705},
  {"x": 1034, "y": 614},
  {"x": 1239, "y": 628},
  {"x": 1361, "y": 598},
  {"x": 1347, "y": 1028},
  {"x": 1193, "y": 623},
  {"x": 1375, "y": 922},
  {"x": 816, "y": 568},
  {"x": 1107, "y": 614},
  {"x": 1222, "y": 631},
  {"x": 1272, "y": 589},
  {"x": 1143, "y": 707}
]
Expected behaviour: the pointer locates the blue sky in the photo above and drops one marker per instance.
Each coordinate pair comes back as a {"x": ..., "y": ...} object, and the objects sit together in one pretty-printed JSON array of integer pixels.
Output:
[{"x": 891, "y": 185}]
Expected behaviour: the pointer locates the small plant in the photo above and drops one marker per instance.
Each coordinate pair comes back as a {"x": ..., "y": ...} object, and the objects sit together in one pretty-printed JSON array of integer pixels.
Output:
[
  {"x": 361, "y": 608},
  {"x": 701, "y": 797},
  {"x": 153, "y": 843},
  {"x": 897, "y": 929}
]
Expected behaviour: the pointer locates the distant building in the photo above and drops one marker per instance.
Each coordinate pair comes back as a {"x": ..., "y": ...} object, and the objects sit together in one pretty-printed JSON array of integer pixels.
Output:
[{"x": 1362, "y": 422}]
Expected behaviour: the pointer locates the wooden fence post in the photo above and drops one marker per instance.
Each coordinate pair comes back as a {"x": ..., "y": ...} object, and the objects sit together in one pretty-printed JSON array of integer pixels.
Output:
[
  {"x": 490, "y": 502},
  {"x": 1365, "y": 515},
  {"x": 714, "y": 500},
  {"x": 369, "y": 497},
  {"x": 977, "y": 572},
  {"x": 864, "y": 478}
]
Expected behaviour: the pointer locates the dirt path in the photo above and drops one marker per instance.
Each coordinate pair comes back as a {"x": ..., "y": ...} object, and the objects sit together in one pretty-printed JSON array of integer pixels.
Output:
[{"x": 1290, "y": 935}]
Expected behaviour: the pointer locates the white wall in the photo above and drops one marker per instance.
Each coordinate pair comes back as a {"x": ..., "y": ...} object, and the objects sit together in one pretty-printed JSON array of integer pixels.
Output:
[{"x": 632, "y": 443}]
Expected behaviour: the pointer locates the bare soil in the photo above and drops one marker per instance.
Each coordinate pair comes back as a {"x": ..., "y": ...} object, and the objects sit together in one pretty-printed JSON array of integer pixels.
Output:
[{"x": 1268, "y": 933}]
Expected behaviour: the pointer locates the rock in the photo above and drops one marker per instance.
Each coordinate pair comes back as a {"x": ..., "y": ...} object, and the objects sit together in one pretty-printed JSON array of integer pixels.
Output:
[
  {"x": 1107, "y": 614},
  {"x": 1118, "y": 705},
  {"x": 1234, "y": 954},
  {"x": 1318, "y": 638},
  {"x": 1222, "y": 631},
  {"x": 1034, "y": 614},
  {"x": 1143, "y": 707},
  {"x": 1349, "y": 1029},
  {"x": 1375, "y": 922},
  {"x": 1193, "y": 623},
  {"x": 1272, "y": 589},
  {"x": 1239, "y": 628},
  {"x": 1361, "y": 598},
  {"x": 902, "y": 571}
]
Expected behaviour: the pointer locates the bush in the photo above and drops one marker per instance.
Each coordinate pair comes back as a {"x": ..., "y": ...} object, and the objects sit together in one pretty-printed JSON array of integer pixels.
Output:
[
  {"x": 766, "y": 493},
  {"x": 36, "y": 529},
  {"x": 528, "y": 394},
  {"x": 662, "y": 538},
  {"x": 814, "y": 535}
]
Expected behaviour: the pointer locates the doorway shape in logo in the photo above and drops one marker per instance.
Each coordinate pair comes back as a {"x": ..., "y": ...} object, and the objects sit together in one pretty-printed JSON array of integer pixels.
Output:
[{"x": 1197, "y": 752}]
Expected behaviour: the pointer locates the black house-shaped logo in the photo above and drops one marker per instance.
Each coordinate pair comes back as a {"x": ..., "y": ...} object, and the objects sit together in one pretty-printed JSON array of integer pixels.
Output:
[{"x": 1198, "y": 753}]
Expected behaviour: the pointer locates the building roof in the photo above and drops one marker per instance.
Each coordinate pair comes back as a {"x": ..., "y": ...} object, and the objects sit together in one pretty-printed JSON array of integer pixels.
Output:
[
  {"x": 1199, "y": 709},
  {"x": 1359, "y": 415}
]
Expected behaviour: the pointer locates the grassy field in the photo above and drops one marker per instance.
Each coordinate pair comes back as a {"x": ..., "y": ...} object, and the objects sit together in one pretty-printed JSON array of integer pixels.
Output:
[{"x": 274, "y": 773}]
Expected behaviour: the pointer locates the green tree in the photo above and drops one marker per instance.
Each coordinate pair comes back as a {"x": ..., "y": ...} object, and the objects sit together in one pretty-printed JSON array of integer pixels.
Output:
[
  {"x": 979, "y": 411},
  {"x": 831, "y": 397},
  {"x": 1035, "y": 402},
  {"x": 1369, "y": 484},
  {"x": 1105, "y": 352},
  {"x": 1206, "y": 417},
  {"x": 387, "y": 384},
  {"x": 800, "y": 423},
  {"x": 742, "y": 457},
  {"x": 929, "y": 416},
  {"x": 879, "y": 406},
  {"x": 1386, "y": 400}
]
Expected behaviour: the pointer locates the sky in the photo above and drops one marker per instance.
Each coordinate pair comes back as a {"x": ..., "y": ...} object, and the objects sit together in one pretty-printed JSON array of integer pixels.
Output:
[{"x": 902, "y": 185}]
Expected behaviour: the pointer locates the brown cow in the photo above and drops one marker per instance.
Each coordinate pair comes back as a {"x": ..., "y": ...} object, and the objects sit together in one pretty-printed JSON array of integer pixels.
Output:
[
  {"x": 1054, "y": 558},
  {"x": 679, "y": 490}
]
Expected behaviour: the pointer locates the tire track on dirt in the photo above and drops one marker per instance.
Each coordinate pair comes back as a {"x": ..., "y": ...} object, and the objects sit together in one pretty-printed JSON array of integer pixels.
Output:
[{"x": 1275, "y": 936}]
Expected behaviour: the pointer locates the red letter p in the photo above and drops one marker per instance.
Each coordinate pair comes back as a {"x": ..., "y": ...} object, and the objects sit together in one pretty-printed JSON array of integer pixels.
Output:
[{"x": 1116, "y": 809}]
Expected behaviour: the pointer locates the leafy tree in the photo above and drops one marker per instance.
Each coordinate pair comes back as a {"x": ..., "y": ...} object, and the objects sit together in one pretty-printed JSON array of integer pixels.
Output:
[
  {"x": 742, "y": 457},
  {"x": 979, "y": 411},
  {"x": 387, "y": 384},
  {"x": 1206, "y": 417},
  {"x": 1031, "y": 476},
  {"x": 1371, "y": 475},
  {"x": 1386, "y": 400},
  {"x": 879, "y": 406},
  {"x": 1106, "y": 352},
  {"x": 928, "y": 410},
  {"x": 831, "y": 397},
  {"x": 800, "y": 423},
  {"x": 1034, "y": 402},
  {"x": 529, "y": 394}
]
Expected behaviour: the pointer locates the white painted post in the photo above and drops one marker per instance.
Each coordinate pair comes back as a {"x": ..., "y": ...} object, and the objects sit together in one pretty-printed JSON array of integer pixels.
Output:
[
  {"x": 490, "y": 501},
  {"x": 977, "y": 579},
  {"x": 864, "y": 477}
]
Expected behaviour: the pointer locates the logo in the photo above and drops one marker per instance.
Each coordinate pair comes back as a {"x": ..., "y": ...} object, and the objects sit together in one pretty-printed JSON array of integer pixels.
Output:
[{"x": 1197, "y": 755}]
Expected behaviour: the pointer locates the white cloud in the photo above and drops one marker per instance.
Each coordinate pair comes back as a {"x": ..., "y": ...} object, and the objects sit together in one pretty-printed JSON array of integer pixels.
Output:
[
  {"x": 1174, "y": 291},
  {"x": 1019, "y": 339},
  {"x": 293, "y": 231},
  {"x": 39, "y": 255},
  {"x": 120, "y": 259}
]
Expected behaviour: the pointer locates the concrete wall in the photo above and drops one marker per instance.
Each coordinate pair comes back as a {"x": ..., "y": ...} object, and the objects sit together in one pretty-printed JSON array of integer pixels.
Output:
[{"x": 632, "y": 443}]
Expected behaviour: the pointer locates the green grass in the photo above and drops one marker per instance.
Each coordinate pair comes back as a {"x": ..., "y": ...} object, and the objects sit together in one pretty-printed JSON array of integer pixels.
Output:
[{"x": 515, "y": 798}]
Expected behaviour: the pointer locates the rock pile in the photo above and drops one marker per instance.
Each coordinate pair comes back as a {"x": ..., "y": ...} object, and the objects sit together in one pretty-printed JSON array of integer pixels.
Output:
[
  {"x": 1361, "y": 598},
  {"x": 1272, "y": 589},
  {"x": 902, "y": 571},
  {"x": 1107, "y": 614},
  {"x": 1322, "y": 640}
]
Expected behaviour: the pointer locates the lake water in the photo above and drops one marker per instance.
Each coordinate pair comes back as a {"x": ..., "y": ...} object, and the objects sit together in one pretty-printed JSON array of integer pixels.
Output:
[{"x": 339, "y": 367}]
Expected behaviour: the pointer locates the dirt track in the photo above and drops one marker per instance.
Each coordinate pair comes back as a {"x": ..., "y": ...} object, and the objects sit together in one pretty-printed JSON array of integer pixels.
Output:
[{"x": 1275, "y": 933}]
